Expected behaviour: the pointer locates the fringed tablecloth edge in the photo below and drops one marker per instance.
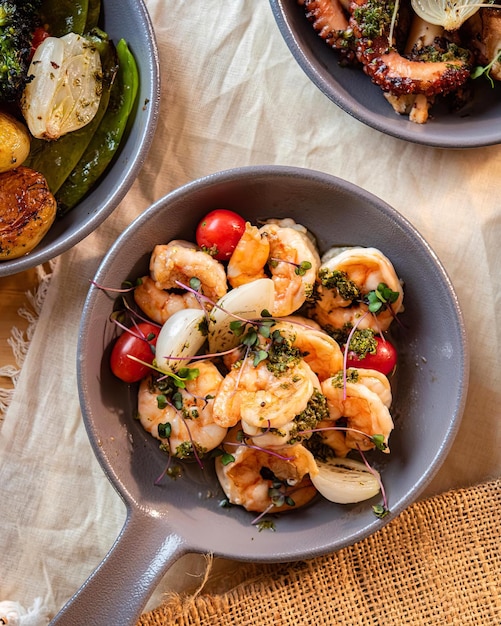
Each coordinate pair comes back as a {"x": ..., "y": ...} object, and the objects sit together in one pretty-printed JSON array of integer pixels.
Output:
[{"x": 20, "y": 341}]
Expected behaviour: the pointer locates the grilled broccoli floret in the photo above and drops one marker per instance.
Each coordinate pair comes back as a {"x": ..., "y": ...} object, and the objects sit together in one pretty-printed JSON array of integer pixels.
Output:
[{"x": 18, "y": 20}]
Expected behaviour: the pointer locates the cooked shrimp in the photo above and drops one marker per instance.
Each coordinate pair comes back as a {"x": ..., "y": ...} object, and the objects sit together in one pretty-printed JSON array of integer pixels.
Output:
[
  {"x": 159, "y": 304},
  {"x": 300, "y": 428},
  {"x": 345, "y": 279},
  {"x": 251, "y": 479},
  {"x": 249, "y": 258},
  {"x": 291, "y": 251},
  {"x": 376, "y": 382},
  {"x": 319, "y": 350},
  {"x": 261, "y": 398},
  {"x": 190, "y": 426},
  {"x": 364, "y": 412},
  {"x": 181, "y": 261}
]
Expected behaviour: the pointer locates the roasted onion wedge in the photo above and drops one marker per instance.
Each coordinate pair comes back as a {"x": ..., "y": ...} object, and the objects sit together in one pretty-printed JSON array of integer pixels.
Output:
[
  {"x": 345, "y": 481},
  {"x": 247, "y": 302},
  {"x": 27, "y": 211},
  {"x": 179, "y": 339},
  {"x": 65, "y": 91}
]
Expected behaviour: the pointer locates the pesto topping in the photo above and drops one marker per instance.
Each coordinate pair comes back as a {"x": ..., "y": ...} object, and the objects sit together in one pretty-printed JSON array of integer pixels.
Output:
[
  {"x": 316, "y": 410},
  {"x": 352, "y": 376},
  {"x": 363, "y": 342},
  {"x": 281, "y": 355},
  {"x": 374, "y": 17},
  {"x": 338, "y": 280},
  {"x": 188, "y": 450}
]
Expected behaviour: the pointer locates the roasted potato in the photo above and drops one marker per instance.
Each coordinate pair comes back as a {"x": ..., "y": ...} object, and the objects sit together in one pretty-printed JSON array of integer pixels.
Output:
[
  {"x": 14, "y": 142},
  {"x": 27, "y": 211}
]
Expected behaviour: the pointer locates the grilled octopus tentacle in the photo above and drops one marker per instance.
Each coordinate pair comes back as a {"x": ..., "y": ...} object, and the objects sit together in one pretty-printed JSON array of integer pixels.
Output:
[
  {"x": 327, "y": 18},
  {"x": 441, "y": 72}
]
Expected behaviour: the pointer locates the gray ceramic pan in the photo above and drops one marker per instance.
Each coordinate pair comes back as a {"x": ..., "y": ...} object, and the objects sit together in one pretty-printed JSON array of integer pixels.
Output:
[
  {"x": 164, "y": 522},
  {"x": 476, "y": 124}
]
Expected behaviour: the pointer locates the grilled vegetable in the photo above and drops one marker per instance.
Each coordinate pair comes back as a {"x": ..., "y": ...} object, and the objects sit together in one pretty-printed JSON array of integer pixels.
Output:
[
  {"x": 56, "y": 159},
  {"x": 27, "y": 211},
  {"x": 14, "y": 142},
  {"x": 18, "y": 20},
  {"x": 108, "y": 135},
  {"x": 66, "y": 87}
]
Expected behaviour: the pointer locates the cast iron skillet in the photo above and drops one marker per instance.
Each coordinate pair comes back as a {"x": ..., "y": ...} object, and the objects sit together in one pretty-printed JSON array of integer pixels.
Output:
[{"x": 164, "y": 522}]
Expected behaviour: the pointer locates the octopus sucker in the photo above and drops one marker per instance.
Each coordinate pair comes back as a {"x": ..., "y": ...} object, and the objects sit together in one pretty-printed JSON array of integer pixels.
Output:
[
  {"x": 440, "y": 69},
  {"x": 329, "y": 19}
]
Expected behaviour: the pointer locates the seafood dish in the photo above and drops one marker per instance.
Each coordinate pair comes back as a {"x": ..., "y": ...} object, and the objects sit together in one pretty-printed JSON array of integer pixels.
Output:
[
  {"x": 418, "y": 52},
  {"x": 267, "y": 361}
]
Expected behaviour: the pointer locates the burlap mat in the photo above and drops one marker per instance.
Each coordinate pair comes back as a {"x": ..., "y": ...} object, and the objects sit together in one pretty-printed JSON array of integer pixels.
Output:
[{"x": 438, "y": 562}]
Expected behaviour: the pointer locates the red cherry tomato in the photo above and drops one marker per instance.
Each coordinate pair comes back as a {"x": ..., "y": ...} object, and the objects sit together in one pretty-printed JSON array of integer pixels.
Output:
[
  {"x": 138, "y": 342},
  {"x": 38, "y": 36},
  {"x": 219, "y": 232},
  {"x": 384, "y": 360}
]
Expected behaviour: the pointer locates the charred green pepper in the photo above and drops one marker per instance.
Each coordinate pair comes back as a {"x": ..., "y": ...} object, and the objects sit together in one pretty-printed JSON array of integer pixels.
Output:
[
  {"x": 93, "y": 13},
  {"x": 65, "y": 16},
  {"x": 108, "y": 135}
]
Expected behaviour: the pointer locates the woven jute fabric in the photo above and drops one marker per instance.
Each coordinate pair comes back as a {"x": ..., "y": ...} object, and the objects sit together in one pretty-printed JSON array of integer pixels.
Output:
[{"x": 438, "y": 562}]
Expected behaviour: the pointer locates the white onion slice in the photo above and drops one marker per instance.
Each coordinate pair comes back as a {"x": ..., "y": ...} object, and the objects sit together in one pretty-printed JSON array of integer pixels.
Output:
[
  {"x": 180, "y": 336},
  {"x": 247, "y": 301},
  {"x": 450, "y": 14},
  {"x": 65, "y": 91},
  {"x": 345, "y": 481}
]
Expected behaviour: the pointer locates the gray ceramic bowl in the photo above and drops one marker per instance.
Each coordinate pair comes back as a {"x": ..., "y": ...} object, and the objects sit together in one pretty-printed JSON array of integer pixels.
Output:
[
  {"x": 184, "y": 515},
  {"x": 353, "y": 91},
  {"x": 128, "y": 19}
]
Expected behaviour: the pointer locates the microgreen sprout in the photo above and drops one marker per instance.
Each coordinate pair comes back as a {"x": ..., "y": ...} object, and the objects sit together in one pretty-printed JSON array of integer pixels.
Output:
[
  {"x": 381, "y": 297},
  {"x": 225, "y": 457},
  {"x": 195, "y": 284},
  {"x": 164, "y": 430},
  {"x": 180, "y": 378},
  {"x": 279, "y": 493},
  {"x": 299, "y": 268},
  {"x": 486, "y": 69}
]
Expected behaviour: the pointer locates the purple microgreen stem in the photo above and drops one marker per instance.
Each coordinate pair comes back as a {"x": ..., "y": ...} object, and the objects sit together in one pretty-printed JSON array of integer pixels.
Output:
[
  {"x": 112, "y": 289},
  {"x": 193, "y": 445},
  {"x": 347, "y": 349},
  {"x": 136, "y": 315},
  {"x": 179, "y": 380},
  {"x": 238, "y": 444},
  {"x": 376, "y": 475},
  {"x": 257, "y": 519},
  {"x": 216, "y": 306},
  {"x": 377, "y": 440},
  {"x": 166, "y": 469}
]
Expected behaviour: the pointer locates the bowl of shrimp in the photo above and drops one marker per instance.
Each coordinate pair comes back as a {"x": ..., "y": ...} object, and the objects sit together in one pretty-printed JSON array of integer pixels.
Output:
[
  {"x": 73, "y": 155},
  {"x": 425, "y": 72},
  {"x": 261, "y": 363}
]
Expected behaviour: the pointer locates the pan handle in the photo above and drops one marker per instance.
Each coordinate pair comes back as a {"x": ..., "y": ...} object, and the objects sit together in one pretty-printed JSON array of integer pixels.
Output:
[{"x": 119, "y": 588}]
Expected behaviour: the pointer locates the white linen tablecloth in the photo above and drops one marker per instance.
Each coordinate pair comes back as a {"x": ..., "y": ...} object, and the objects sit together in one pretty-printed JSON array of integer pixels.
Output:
[{"x": 233, "y": 95}]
